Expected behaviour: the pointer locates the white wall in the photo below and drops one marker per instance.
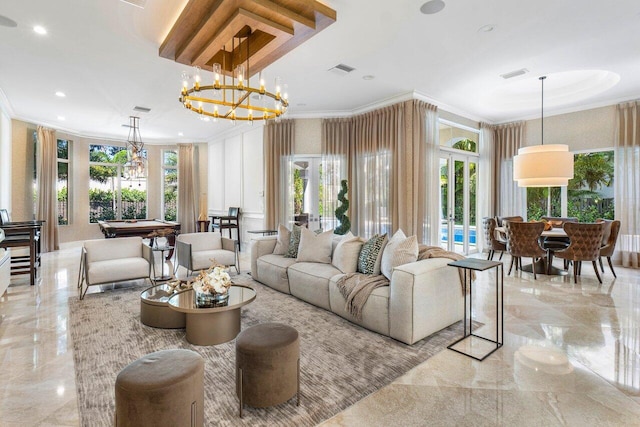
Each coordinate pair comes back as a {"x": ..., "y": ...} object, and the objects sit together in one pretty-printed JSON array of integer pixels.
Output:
[
  {"x": 5, "y": 160},
  {"x": 236, "y": 178}
]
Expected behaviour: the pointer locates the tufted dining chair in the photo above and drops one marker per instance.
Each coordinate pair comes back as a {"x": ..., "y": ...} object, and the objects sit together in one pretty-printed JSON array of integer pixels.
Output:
[
  {"x": 523, "y": 241},
  {"x": 586, "y": 240},
  {"x": 609, "y": 239},
  {"x": 491, "y": 241}
]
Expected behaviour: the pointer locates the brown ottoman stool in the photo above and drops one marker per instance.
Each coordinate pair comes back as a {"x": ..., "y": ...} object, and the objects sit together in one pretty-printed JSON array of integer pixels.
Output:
[
  {"x": 165, "y": 388},
  {"x": 267, "y": 365}
]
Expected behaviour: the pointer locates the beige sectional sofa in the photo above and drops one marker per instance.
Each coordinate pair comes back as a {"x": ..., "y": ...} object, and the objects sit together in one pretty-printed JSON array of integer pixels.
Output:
[{"x": 423, "y": 296}]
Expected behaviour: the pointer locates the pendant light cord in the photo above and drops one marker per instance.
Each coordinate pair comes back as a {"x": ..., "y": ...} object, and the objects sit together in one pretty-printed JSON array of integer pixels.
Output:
[{"x": 542, "y": 111}]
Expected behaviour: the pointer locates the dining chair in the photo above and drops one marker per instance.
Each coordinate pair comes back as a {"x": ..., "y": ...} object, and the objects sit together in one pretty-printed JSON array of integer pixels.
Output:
[
  {"x": 586, "y": 240},
  {"x": 491, "y": 240},
  {"x": 523, "y": 241},
  {"x": 228, "y": 222},
  {"x": 609, "y": 239},
  {"x": 501, "y": 220}
]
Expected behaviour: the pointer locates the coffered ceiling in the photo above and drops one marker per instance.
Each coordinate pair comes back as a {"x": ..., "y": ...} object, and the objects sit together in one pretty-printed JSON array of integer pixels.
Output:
[{"x": 109, "y": 56}]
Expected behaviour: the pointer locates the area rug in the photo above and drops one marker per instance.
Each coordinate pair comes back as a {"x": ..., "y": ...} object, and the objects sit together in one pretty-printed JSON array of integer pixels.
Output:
[{"x": 340, "y": 362}]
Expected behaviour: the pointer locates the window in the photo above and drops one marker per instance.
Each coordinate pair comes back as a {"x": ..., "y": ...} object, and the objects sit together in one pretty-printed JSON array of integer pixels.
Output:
[
  {"x": 588, "y": 196},
  {"x": 62, "y": 185},
  {"x": 112, "y": 194},
  {"x": 169, "y": 184},
  {"x": 456, "y": 136}
]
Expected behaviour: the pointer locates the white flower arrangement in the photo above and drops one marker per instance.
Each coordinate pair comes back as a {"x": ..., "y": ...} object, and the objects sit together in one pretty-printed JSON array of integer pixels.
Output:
[{"x": 215, "y": 280}]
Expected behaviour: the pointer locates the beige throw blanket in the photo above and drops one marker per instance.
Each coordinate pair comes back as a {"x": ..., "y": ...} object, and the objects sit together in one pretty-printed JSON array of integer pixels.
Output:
[{"x": 356, "y": 287}]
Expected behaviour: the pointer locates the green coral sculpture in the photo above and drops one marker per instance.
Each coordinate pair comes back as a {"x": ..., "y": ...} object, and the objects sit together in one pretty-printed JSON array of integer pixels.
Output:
[{"x": 341, "y": 211}]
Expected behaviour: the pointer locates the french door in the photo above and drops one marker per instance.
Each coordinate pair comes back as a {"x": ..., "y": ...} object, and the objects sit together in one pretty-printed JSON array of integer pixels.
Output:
[{"x": 458, "y": 205}]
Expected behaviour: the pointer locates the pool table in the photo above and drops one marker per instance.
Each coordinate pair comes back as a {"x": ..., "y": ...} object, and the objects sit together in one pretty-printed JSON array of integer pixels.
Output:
[{"x": 143, "y": 228}]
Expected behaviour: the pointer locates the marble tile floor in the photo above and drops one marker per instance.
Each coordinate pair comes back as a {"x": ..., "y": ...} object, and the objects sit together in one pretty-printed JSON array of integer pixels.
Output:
[{"x": 571, "y": 356}]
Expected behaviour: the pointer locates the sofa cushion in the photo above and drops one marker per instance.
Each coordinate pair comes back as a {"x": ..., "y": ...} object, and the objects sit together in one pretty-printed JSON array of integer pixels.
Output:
[
  {"x": 315, "y": 247},
  {"x": 108, "y": 249},
  {"x": 309, "y": 281},
  {"x": 272, "y": 271},
  {"x": 345, "y": 256},
  {"x": 294, "y": 243},
  {"x": 202, "y": 241},
  {"x": 116, "y": 270},
  {"x": 400, "y": 250},
  {"x": 371, "y": 255},
  {"x": 282, "y": 241},
  {"x": 202, "y": 260},
  {"x": 375, "y": 313}
]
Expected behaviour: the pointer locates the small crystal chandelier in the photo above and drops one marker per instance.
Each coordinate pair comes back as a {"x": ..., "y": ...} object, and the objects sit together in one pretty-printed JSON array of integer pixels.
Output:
[
  {"x": 135, "y": 167},
  {"x": 231, "y": 95}
]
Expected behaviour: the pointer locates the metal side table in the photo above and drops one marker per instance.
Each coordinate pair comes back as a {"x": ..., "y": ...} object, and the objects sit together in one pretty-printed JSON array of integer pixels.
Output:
[{"x": 469, "y": 265}]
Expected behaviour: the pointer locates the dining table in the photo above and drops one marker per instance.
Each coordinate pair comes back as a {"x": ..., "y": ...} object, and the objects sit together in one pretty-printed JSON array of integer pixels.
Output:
[{"x": 541, "y": 266}]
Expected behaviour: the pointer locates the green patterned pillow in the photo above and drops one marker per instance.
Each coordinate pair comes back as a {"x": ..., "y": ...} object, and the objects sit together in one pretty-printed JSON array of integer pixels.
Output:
[
  {"x": 294, "y": 242},
  {"x": 371, "y": 255}
]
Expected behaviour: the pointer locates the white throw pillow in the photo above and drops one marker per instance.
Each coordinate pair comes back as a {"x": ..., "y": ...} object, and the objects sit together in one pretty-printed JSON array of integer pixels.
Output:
[
  {"x": 345, "y": 255},
  {"x": 282, "y": 241},
  {"x": 314, "y": 247},
  {"x": 400, "y": 250}
]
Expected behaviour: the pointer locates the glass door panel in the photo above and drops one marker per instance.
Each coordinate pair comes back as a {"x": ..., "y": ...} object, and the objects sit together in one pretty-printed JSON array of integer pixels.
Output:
[{"x": 444, "y": 203}]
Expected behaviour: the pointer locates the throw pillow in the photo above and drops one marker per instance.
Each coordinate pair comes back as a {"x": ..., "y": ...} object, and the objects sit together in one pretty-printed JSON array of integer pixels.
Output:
[
  {"x": 282, "y": 241},
  {"x": 345, "y": 255},
  {"x": 371, "y": 254},
  {"x": 400, "y": 250},
  {"x": 294, "y": 242},
  {"x": 315, "y": 247}
]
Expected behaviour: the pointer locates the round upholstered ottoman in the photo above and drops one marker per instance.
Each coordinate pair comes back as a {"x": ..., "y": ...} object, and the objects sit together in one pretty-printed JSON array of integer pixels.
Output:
[
  {"x": 267, "y": 365},
  {"x": 165, "y": 388}
]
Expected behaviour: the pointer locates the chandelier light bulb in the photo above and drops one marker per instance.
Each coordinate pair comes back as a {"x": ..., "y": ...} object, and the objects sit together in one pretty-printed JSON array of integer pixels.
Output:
[
  {"x": 240, "y": 76},
  {"x": 196, "y": 77},
  {"x": 216, "y": 76}
]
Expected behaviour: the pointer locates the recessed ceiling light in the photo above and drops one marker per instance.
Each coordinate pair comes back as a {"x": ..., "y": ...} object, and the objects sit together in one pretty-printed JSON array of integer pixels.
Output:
[
  {"x": 40, "y": 30},
  {"x": 180, "y": 134},
  {"x": 7, "y": 22},
  {"x": 486, "y": 28},
  {"x": 368, "y": 77},
  {"x": 301, "y": 104},
  {"x": 60, "y": 94},
  {"x": 431, "y": 7},
  {"x": 61, "y": 118}
]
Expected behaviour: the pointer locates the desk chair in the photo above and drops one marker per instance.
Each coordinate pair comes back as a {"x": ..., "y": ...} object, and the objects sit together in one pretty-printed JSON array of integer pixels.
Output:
[
  {"x": 22, "y": 234},
  {"x": 229, "y": 222}
]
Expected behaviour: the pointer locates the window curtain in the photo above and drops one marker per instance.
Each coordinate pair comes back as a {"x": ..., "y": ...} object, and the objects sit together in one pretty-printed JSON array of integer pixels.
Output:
[
  {"x": 510, "y": 199},
  {"x": 47, "y": 200},
  {"x": 187, "y": 187},
  {"x": 335, "y": 147},
  {"x": 627, "y": 182},
  {"x": 278, "y": 156},
  {"x": 486, "y": 201}
]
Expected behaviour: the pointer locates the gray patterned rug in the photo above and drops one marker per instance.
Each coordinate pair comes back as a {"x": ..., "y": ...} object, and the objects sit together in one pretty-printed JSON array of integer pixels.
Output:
[{"x": 340, "y": 362}]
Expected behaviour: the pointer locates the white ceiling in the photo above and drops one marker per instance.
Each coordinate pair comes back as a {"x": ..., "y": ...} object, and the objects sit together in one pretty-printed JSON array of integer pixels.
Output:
[{"x": 104, "y": 55}]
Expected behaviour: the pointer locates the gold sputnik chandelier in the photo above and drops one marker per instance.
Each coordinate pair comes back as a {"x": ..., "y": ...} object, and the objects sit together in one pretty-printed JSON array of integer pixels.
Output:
[{"x": 230, "y": 95}]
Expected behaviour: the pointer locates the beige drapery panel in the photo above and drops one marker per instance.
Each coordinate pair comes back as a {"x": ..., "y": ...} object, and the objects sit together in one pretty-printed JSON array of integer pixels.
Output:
[
  {"x": 627, "y": 182},
  {"x": 278, "y": 156},
  {"x": 486, "y": 186},
  {"x": 510, "y": 199},
  {"x": 47, "y": 200},
  {"x": 335, "y": 157},
  {"x": 187, "y": 187},
  {"x": 391, "y": 155}
]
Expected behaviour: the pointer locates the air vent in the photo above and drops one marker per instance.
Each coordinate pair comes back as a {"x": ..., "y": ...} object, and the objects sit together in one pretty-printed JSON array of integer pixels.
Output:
[
  {"x": 341, "y": 69},
  {"x": 137, "y": 3},
  {"x": 141, "y": 109},
  {"x": 514, "y": 73}
]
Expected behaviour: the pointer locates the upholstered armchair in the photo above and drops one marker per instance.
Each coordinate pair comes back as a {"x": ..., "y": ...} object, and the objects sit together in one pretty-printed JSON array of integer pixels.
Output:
[
  {"x": 586, "y": 240},
  {"x": 502, "y": 220},
  {"x": 523, "y": 241},
  {"x": 609, "y": 239},
  {"x": 491, "y": 241},
  {"x": 195, "y": 251},
  {"x": 113, "y": 260}
]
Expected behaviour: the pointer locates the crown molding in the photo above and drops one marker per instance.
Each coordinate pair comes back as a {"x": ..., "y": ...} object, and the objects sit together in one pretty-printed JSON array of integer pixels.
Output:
[{"x": 5, "y": 105}]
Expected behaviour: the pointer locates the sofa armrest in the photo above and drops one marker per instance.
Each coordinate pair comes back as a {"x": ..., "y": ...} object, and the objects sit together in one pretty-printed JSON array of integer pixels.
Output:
[
  {"x": 147, "y": 253},
  {"x": 425, "y": 297},
  {"x": 229, "y": 244},
  {"x": 183, "y": 255},
  {"x": 261, "y": 245}
]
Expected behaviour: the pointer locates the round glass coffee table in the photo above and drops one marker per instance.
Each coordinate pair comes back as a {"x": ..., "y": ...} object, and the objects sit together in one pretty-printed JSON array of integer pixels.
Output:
[{"x": 210, "y": 326}]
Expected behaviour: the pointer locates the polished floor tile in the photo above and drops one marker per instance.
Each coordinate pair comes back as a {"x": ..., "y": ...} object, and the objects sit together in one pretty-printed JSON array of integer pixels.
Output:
[{"x": 571, "y": 356}]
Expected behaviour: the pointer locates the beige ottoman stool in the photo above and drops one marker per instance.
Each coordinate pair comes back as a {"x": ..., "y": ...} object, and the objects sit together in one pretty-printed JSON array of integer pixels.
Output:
[
  {"x": 165, "y": 388},
  {"x": 267, "y": 365}
]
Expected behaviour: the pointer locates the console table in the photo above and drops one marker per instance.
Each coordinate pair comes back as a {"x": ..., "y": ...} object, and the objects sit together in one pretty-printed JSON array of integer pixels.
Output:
[{"x": 469, "y": 265}]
